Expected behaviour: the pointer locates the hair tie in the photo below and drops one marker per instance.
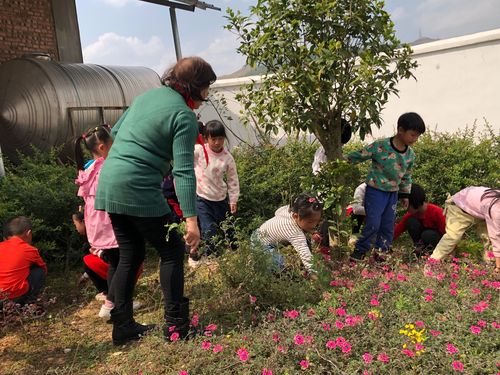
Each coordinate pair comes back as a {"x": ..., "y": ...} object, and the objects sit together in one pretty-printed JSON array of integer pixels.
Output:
[
  {"x": 84, "y": 135},
  {"x": 311, "y": 200}
]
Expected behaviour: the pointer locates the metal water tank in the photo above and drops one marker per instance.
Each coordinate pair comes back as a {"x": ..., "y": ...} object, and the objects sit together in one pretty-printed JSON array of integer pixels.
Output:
[{"x": 45, "y": 103}]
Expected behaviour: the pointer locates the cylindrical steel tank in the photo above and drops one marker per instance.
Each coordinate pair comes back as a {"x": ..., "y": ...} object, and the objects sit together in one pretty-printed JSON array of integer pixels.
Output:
[{"x": 44, "y": 103}]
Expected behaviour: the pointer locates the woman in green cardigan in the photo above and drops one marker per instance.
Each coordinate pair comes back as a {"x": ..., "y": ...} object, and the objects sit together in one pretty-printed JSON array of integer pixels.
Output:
[{"x": 158, "y": 129}]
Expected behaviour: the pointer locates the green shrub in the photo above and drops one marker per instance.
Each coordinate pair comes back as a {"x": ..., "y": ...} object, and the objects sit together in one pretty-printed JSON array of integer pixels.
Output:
[{"x": 43, "y": 188}]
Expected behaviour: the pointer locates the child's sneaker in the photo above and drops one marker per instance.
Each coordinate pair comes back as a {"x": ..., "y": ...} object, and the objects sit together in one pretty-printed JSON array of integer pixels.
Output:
[
  {"x": 100, "y": 296},
  {"x": 105, "y": 311}
]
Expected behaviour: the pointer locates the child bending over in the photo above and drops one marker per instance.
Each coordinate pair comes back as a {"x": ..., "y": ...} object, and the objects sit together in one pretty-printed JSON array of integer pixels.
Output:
[
  {"x": 424, "y": 222},
  {"x": 289, "y": 226},
  {"x": 390, "y": 173},
  {"x": 475, "y": 205}
]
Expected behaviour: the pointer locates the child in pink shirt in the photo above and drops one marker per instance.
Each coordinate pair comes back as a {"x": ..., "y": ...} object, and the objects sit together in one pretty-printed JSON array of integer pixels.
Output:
[
  {"x": 475, "y": 205},
  {"x": 217, "y": 185}
]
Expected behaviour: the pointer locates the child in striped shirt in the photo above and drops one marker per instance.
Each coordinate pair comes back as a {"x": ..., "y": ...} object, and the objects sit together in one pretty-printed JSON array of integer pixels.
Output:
[{"x": 289, "y": 226}]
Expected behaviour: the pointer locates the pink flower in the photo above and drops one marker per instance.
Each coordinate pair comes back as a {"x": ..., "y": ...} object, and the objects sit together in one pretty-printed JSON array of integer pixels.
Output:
[
  {"x": 195, "y": 320},
  {"x": 205, "y": 345},
  {"x": 211, "y": 327},
  {"x": 243, "y": 354},
  {"x": 428, "y": 298},
  {"x": 453, "y": 292},
  {"x": 309, "y": 340},
  {"x": 475, "y": 291},
  {"x": 451, "y": 349},
  {"x": 340, "y": 341},
  {"x": 441, "y": 276},
  {"x": 350, "y": 321},
  {"x": 475, "y": 330},
  {"x": 490, "y": 254},
  {"x": 453, "y": 285},
  {"x": 368, "y": 358},
  {"x": 218, "y": 348},
  {"x": 267, "y": 372},
  {"x": 481, "y": 306},
  {"x": 304, "y": 364},
  {"x": 253, "y": 299},
  {"x": 482, "y": 323},
  {"x": 419, "y": 324},
  {"x": 339, "y": 324},
  {"x": 458, "y": 366},
  {"x": 298, "y": 339},
  {"x": 372, "y": 315},
  {"x": 346, "y": 347},
  {"x": 183, "y": 372},
  {"x": 434, "y": 332},
  {"x": 326, "y": 326},
  {"x": 340, "y": 311},
  {"x": 281, "y": 349},
  {"x": 374, "y": 302},
  {"x": 401, "y": 277},
  {"x": 428, "y": 291},
  {"x": 276, "y": 337},
  {"x": 331, "y": 344},
  {"x": 174, "y": 336},
  {"x": 383, "y": 357},
  {"x": 495, "y": 324},
  {"x": 408, "y": 353},
  {"x": 292, "y": 314}
]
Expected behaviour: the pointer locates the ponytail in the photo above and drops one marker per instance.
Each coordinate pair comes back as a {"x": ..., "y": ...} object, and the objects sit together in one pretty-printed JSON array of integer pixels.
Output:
[{"x": 91, "y": 139}]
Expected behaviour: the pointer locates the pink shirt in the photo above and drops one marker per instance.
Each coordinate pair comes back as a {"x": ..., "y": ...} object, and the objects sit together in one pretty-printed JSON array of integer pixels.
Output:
[
  {"x": 97, "y": 223},
  {"x": 469, "y": 200},
  {"x": 210, "y": 182}
]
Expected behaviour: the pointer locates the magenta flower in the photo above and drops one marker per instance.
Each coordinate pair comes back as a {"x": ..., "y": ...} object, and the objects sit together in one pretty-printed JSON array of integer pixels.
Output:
[
  {"x": 253, "y": 299},
  {"x": 339, "y": 324},
  {"x": 475, "y": 330},
  {"x": 453, "y": 285},
  {"x": 383, "y": 357},
  {"x": 340, "y": 311},
  {"x": 218, "y": 348},
  {"x": 458, "y": 366},
  {"x": 481, "y": 306},
  {"x": 451, "y": 349},
  {"x": 331, "y": 344},
  {"x": 374, "y": 302},
  {"x": 292, "y": 314},
  {"x": 276, "y": 337},
  {"x": 304, "y": 364},
  {"x": 408, "y": 353},
  {"x": 428, "y": 298},
  {"x": 384, "y": 286},
  {"x": 211, "y": 327},
  {"x": 309, "y": 340},
  {"x": 195, "y": 320},
  {"x": 476, "y": 291},
  {"x": 419, "y": 324},
  {"x": 174, "y": 336},
  {"x": 183, "y": 372},
  {"x": 326, "y": 326},
  {"x": 205, "y": 345},
  {"x": 281, "y": 349},
  {"x": 428, "y": 291},
  {"x": 419, "y": 346},
  {"x": 267, "y": 372},
  {"x": 453, "y": 292},
  {"x": 495, "y": 324},
  {"x": 435, "y": 332},
  {"x": 340, "y": 341},
  {"x": 243, "y": 354},
  {"x": 401, "y": 277},
  {"x": 482, "y": 323},
  {"x": 298, "y": 339},
  {"x": 346, "y": 348},
  {"x": 368, "y": 358}
]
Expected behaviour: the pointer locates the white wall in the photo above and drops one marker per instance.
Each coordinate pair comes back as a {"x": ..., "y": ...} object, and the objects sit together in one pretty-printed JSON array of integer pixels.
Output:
[{"x": 457, "y": 83}]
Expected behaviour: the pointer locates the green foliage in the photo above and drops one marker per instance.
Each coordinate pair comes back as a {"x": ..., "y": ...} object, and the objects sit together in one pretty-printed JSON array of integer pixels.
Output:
[
  {"x": 447, "y": 163},
  {"x": 269, "y": 178},
  {"x": 42, "y": 188},
  {"x": 325, "y": 60}
]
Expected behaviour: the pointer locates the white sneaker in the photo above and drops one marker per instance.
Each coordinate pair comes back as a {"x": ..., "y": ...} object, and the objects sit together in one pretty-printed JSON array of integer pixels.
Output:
[
  {"x": 193, "y": 263},
  {"x": 136, "y": 305},
  {"x": 105, "y": 311},
  {"x": 100, "y": 297}
]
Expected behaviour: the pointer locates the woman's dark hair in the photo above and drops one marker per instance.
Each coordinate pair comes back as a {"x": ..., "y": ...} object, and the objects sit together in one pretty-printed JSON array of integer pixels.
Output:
[
  {"x": 305, "y": 205},
  {"x": 16, "y": 226},
  {"x": 91, "y": 139},
  {"x": 417, "y": 196},
  {"x": 214, "y": 128},
  {"x": 494, "y": 194},
  {"x": 189, "y": 76}
]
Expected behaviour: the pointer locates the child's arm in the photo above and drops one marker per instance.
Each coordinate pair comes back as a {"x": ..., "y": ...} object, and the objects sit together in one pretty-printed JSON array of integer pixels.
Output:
[
  {"x": 362, "y": 155},
  {"x": 299, "y": 243},
  {"x": 233, "y": 184},
  {"x": 401, "y": 226}
]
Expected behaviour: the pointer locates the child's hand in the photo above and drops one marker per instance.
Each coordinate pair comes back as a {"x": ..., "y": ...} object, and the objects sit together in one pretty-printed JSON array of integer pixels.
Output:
[
  {"x": 316, "y": 237},
  {"x": 233, "y": 208},
  {"x": 405, "y": 202}
]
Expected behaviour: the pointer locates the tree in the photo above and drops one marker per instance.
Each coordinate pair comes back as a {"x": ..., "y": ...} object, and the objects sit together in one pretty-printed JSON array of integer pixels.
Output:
[{"x": 325, "y": 60}]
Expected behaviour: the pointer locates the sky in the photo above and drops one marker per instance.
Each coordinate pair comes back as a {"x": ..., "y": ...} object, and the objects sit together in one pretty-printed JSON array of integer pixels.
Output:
[{"x": 133, "y": 32}]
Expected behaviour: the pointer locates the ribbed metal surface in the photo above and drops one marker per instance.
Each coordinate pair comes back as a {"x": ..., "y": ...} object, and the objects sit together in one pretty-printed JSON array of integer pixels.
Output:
[{"x": 45, "y": 103}]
